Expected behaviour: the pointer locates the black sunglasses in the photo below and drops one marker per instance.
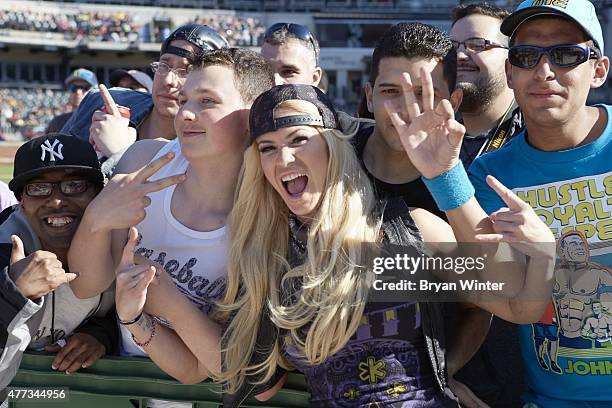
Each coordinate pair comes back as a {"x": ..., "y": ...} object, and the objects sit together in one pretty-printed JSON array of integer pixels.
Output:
[
  {"x": 74, "y": 88},
  {"x": 298, "y": 30},
  {"x": 45, "y": 188},
  {"x": 476, "y": 44},
  {"x": 564, "y": 55}
]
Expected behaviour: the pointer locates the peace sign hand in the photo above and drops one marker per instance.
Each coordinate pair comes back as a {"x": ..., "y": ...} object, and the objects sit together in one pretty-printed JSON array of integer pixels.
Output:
[
  {"x": 132, "y": 281},
  {"x": 109, "y": 132},
  {"x": 432, "y": 138},
  {"x": 121, "y": 203},
  {"x": 519, "y": 225}
]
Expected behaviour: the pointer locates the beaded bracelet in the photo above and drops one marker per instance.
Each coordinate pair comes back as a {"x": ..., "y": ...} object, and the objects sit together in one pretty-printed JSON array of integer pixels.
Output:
[
  {"x": 128, "y": 322},
  {"x": 146, "y": 343}
]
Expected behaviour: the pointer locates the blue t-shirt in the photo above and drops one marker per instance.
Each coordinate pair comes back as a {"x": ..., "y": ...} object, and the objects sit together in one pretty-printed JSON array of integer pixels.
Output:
[
  {"x": 568, "y": 353},
  {"x": 140, "y": 105}
]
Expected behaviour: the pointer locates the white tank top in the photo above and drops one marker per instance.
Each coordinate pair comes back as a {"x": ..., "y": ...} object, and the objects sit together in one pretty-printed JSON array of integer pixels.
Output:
[{"x": 196, "y": 260}]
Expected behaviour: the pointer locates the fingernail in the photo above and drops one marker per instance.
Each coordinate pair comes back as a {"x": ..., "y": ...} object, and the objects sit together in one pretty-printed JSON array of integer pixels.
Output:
[
  {"x": 53, "y": 367},
  {"x": 68, "y": 372},
  {"x": 77, "y": 274}
]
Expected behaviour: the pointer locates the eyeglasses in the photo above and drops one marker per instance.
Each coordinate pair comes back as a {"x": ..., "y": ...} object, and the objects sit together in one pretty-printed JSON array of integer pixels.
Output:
[
  {"x": 477, "y": 44},
  {"x": 164, "y": 69},
  {"x": 67, "y": 187},
  {"x": 299, "y": 31},
  {"x": 74, "y": 87},
  {"x": 564, "y": 55}
]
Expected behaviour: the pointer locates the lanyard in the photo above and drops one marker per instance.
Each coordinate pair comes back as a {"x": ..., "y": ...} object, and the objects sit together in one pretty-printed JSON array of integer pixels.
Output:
[{"x": 500, "y": 136}]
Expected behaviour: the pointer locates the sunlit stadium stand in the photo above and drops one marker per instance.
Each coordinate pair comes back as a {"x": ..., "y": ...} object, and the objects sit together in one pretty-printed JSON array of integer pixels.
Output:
[{"x": 42, "y": 41}]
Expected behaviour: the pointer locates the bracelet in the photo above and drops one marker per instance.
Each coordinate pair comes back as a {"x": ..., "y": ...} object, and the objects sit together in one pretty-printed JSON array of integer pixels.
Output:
[
  {"x": 128, "y": 322},
  {"x": 146, "y": 343},
  {"x": 450, "y": 189}
]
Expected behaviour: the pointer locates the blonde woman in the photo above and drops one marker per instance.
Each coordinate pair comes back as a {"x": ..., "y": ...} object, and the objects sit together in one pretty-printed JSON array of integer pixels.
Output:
[{"x": 298, "y": 296}]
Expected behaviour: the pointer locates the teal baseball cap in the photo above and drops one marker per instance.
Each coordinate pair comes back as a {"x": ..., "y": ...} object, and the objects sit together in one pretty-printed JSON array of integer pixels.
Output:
[
  {"x": 82, "y": 74},
  {"x": 581, "y": 12}
]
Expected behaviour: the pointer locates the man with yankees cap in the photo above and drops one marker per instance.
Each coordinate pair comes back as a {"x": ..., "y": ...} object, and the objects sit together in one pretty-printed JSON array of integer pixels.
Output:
[
  {"x": 54, "y": 178},
  {"x": 100, "y": 121}
]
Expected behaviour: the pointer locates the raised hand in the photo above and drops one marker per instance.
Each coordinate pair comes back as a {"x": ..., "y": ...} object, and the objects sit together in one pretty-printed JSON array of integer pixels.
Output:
[
  {"x": 519, "y": 225},
  {"x": 121, "y": 203},
  {"x": 431, "y": 137},
  {"x": 37, "y": 274},
  {"x": 109, "y": 132},
  {"x": 132, "y": 281}
]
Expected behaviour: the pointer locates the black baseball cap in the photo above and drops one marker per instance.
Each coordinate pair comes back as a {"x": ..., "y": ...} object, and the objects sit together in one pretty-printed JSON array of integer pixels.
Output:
[
  {"x": 200, "y": 35},
  {"x": 262, "y": 118},
  {"x": 55, "y": 151}
]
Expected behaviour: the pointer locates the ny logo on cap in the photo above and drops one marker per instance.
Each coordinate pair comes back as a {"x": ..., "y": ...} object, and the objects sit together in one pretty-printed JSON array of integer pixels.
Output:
[{"x": 48, "y": 147}]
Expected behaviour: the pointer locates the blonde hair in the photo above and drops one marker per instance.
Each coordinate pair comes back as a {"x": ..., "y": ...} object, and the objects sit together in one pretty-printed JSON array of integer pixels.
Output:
[{"x": 329, "y": 306}]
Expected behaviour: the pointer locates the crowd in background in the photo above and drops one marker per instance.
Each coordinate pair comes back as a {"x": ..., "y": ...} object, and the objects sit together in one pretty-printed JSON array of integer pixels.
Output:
[
  {"x": 25, "y": 113},
  {"x": 120, "y": 27},
  {"x": 116, "y": 27},
  {"x": 244, "y": 32}
]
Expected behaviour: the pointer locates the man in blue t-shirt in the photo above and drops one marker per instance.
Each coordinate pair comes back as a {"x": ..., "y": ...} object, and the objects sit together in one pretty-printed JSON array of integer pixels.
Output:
[{"x": 561, "y": 165}]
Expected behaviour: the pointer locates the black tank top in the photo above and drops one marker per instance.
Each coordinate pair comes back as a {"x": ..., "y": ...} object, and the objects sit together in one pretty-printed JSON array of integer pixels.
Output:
[{"x": 414, "y": 193}]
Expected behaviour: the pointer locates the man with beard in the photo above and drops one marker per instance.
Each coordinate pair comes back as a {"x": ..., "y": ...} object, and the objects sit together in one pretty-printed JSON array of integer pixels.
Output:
[
  {"x": 488, "y": 110},
  {"x": 491, "y": 117}
]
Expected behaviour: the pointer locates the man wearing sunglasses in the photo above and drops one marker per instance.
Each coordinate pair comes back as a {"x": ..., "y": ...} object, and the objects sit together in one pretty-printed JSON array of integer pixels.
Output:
[
  {"x": 78, "y": 83},
  {"x": 55, "y": 177},
  {"x": 560, "y": 164},
  {"x": 151, "y": 115},
  {"x": 293, "y": 52}
]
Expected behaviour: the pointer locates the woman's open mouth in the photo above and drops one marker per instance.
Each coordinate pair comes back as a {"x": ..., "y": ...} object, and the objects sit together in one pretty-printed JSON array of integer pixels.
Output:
[{"x": 295, "y": 183}]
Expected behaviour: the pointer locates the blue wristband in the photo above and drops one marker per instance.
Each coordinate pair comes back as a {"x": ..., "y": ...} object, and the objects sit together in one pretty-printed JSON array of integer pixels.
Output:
[{"x": 450, "y": 189}]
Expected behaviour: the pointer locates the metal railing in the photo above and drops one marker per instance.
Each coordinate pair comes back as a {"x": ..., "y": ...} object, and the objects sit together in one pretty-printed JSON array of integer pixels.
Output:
[{"x": 128, "y": 382}]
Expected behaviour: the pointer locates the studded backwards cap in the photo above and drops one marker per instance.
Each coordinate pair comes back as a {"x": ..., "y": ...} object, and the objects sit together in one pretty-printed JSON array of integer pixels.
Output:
[
  {"x": 202, "y": 36},
  {"x": 263, "y": 118}
]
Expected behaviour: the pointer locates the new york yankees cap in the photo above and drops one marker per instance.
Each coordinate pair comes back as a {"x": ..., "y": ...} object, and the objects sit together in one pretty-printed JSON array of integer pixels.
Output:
[
  {"x": 200, "y": 35},
  {"x": 55, "y": 151},
  {"x": 263, "y": 117}
]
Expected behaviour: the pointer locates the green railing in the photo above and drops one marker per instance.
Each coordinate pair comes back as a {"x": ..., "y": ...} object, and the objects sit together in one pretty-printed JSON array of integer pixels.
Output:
[{"x": 118, "y": 382}]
